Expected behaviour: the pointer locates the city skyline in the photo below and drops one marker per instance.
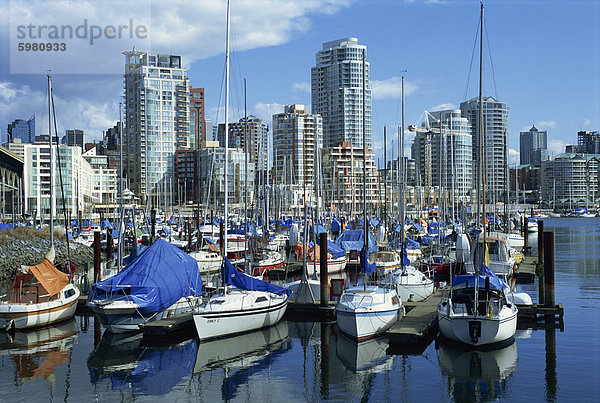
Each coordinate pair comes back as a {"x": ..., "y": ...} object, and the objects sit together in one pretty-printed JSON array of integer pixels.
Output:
[{"x": 528, "y": 60}]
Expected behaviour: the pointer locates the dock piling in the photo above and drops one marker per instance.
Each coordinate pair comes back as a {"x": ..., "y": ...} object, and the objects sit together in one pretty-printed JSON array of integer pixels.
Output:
[
  {"x": 97, "y": 256},
  {"x": 549, "y": 301},
  {"x": 324, "y": 270}
]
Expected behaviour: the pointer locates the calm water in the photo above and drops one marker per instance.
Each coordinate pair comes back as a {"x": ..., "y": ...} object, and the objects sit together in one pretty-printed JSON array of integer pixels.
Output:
[{"x": 312, "y": 362}]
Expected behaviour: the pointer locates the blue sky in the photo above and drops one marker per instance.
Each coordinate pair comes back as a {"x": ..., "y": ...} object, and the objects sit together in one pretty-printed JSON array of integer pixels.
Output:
[{"x": 545, "y": 55}]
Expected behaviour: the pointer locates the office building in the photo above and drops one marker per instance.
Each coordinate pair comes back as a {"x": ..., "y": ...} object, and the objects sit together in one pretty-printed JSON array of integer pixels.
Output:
[
  {"x": 337, "y": 92},
  {"x": 257, "y": 137},
  {"x": 73, "y": 137},
  {"x": 22, "y": 129},
  {"x": 533, "y": 147},
  {"x": 156, "y": 121},
  {"x": 197, "y": 125},
  {"x": 588, "y": 142}
]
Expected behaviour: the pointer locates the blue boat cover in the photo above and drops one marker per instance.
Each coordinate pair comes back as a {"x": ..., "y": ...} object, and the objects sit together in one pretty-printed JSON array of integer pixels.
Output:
[
  {"x": 319, "y": 229},
  {"x": 135, "y": 252},
  {"x": 496, "y": 283},
  {"x": 240, "y": 280},
  {"x": 532, "y": 219},
  {"x": 335, "y": 225},
  {"x": 411, "y": 221},
  {"x": 365, "y": 266},
  {"x": 105, "y": 224},
  {"x": 157, "y": 279},
  {"x": 353, "y": 240},
  {"x": 374, "y": 222}
]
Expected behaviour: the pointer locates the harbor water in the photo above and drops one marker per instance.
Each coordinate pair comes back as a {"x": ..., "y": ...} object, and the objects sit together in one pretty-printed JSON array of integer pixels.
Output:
[{"x": 310, "y": 361}]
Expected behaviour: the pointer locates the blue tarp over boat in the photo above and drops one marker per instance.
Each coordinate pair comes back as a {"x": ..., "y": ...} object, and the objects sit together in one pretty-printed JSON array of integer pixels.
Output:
[
  {"x": 335, "y": 225},
  {"x": 157, "y": 279},
  {"x": 496, "y": 283},
  {"x": 240, "y": 280},
  {"x": 353, "y": 240}
]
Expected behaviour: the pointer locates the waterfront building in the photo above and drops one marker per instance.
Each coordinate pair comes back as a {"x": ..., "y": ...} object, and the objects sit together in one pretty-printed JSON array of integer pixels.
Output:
[
  {"x": 211, "y": 176},
  {"x": 570, "y": 180},
  {"x": 186, "y": 168},
  {"x": 197, "y": 127},
  {"x": 297, "y": 136},
  {"x": 22, "y": 129},
  {"x": 111, "y": 138},
  {"x": 343, "y": 178},
  {"x": 337, "y": 92},
  {"x": 588, "y": 142},
  {"x": 533, "y": 147},
  {"x": 73, "y": 137},
  {"x": 11, "y": 177},
  {"x": 443, "y": 153},
  {"x": 525, "y": 184},
  {"x": 16, "y": 147},
  {"x": 156, "y": 121},
  {"x": 104, "y": 181},
  {"x": 257, "y": 137},
  {"x": 495, "y": 114}
]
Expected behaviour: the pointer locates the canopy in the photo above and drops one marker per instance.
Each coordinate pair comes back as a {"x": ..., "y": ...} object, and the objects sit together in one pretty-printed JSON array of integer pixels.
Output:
[
  {"x": 105, "y": 224},
  {"x": 157, "y": 279},
  {"x": 465, "y": 281},
  {"x": 353, "y": 240},
  {"x": 411, "y": 221},
  {"x": 335, "y": 225},
  {"x": 365, "y": 266},
  {"x": 52, "y": 279},
  {"x": 240, "y": 280}
]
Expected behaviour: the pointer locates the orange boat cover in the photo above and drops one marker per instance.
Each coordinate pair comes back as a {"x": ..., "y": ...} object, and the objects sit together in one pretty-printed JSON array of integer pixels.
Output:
[{"x": 49, "y": 276}]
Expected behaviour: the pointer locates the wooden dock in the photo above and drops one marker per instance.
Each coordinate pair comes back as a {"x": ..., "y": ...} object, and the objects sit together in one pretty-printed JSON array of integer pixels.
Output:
[
  {"x": 526, "y": 270},
  {"x": 419, "y": 324},
  {"x": 168, "y": 326}
]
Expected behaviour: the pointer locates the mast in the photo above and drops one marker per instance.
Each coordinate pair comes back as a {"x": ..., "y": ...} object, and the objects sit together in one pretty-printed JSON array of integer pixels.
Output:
[
  {"x": 364, "y": 139},
  {"x": 51, "y": 162},
  {"x": 401, "y": 180},
  {"x": 385, "y": 177},
  {"x": 481, "y": 142},
  {"x": 246, "y": 268},
  {"x": 225, "y": 212},
  {"x": 121, "y": 226}
]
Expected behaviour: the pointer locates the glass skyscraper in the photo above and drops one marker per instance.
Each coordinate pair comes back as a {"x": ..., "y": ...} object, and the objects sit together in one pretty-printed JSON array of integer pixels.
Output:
[
  {"x": 156, "y": 121},
  {"x": 533, "y": 147},
  {"x": 22, "y": 129},
  {"x": 337, "y": 92}
]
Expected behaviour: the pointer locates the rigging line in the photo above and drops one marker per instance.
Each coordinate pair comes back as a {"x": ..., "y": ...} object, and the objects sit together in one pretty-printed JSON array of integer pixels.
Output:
[
  {"x": 487, "y": 38},
  {"x": 472, "y": 57}
]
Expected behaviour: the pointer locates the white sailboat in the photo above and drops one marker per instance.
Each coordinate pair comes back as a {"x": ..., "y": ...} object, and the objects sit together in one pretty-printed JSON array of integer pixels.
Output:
[
  {"x": 244, "y": 303},
  {"x": 40, "y": 295},
  {"x": 478, "y": 312},
  {"x": 363, "y": 312}
]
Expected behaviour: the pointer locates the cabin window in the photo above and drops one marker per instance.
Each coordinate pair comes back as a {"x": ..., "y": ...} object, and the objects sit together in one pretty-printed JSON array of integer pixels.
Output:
[
  {"x": 69, "y": 293},
  {"x": 261, "y": 299}
]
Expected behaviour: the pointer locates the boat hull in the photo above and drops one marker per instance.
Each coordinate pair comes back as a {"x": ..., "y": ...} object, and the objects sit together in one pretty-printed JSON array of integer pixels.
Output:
[
  {"x": 124, "y": 316},
  {"x": 24, "y": 316},
  {"x": 213, "y": 323},
  {"x": 477, "y": 330}
]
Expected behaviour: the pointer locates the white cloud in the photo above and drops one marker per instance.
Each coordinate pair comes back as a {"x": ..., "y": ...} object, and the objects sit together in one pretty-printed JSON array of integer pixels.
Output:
[
  {"x": 301, "y": 87},
  {"x": 443, "y": 107},
  {"x": 266, "y": 111},
  {"x": 391, "y": 88},
  {"x": 546, "y": 124},
  {"x": 556, "y": 147},
  {"x": 514, "y": 157},
  {"x": 586, "y": 122}
]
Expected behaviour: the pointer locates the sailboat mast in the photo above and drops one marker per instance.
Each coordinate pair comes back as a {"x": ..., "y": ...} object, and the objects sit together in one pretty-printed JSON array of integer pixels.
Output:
[
  {"x": 121, "y": 225},
  {"x": 246, "y": 268},
  {"x": 364, "y": 140},
  {"x": 51, "y": 162},
  {"x": 401, "y": 180},
  {"x": 225, "y": 212},
  {"x": 481, "y": 140}
]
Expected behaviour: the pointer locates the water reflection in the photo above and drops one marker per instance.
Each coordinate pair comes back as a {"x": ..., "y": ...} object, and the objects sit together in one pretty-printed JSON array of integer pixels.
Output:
[
  {"x": 127, "y": 364},
  {"x": 368, "y": 355},
  {"x": 477, "y": 375},
  {"x": 37, "y": 353}
]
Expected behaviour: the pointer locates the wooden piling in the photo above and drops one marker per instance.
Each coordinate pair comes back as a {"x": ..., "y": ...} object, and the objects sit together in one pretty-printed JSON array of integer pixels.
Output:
[
  {"x": 525, "y": 232},
  {"x": 540, "y": 266},
  {"x": 109, "y": 246},
  {"x": 549, "y": 300},
  {"x": 221, "y": 238},
  {"x": 188, "y": 231},
  {"x": 541, "y": 242},
  {"x": 324, "y": 270},
  {"x": 97, "y": 256}
]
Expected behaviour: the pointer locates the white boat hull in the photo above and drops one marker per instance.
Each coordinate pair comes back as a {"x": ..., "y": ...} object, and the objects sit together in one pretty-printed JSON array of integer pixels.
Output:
[
  {"x": 24, "y": 315},
  {"x": 124, "y": 316},
  {"x": 236, "y": 313},
  {"x": 477, "y": 330},
  {"x": 364, "y": 315}
]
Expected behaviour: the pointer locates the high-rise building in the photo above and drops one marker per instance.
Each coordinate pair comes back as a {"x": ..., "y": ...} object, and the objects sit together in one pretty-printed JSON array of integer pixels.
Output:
[
  {"x": 337, "y": 92},
  {"x": 588, "y": 142},
  {"x": 495, "y": 114},
  {"x": 297, "y": 136},
  {"x": 257, "y": 137},
  {"x": 73, "y": 137},
  {"x": 156, "y": 121},
  {"x": 22, "y": 129},
  {"x": 197, "y": 127},
  {"x": 533, "y": 147},
  {"x": 111, "y": 138},
  {"x": 443, "y": 155}
]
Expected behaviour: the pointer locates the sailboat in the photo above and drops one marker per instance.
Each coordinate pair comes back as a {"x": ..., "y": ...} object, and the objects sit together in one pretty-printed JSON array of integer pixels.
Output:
[
  {"x": 364, "y": 312},
  {"x": 243, "y": 303},
  {"x": 40, "y": 295},
  {"x": 478, "y": 312}
]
